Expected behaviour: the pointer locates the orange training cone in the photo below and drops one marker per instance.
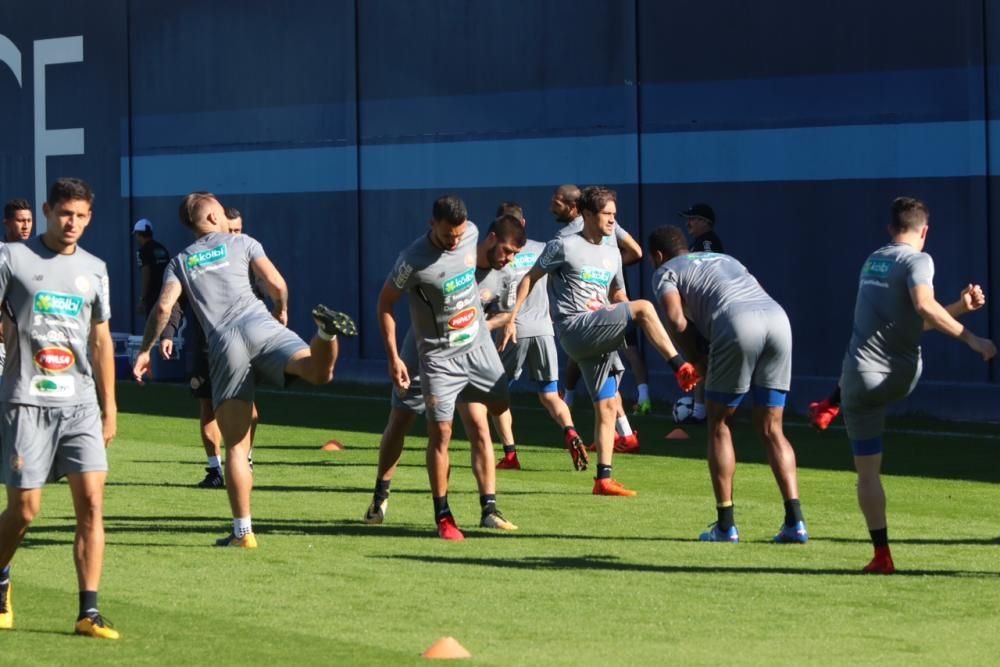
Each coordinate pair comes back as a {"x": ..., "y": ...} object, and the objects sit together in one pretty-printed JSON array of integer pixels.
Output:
[
  {"x": 677, "y": 434},
  {"x": 446, "y": 648},
  {"x": 332, "y": 446}
]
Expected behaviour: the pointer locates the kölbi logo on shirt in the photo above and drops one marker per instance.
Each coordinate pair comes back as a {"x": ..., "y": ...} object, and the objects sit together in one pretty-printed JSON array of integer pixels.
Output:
[
  {"x": 877, "y": 267},
  {"x": 592, "y": 274},
  {"x": 54, "y": 303},
  {"x": 206, "y": 257},
  {"x": 55, "y": 359},
  {"x": 459, "y": 282}
]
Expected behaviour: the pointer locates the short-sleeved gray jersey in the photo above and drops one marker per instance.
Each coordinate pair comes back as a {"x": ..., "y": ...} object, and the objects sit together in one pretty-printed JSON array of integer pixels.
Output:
[
  {"x": 887, "y": 328},
  {"x": 581, "y": 273},
  {"x": 533, "y": 318},
  {"x": 710, "y": 283},
  {"x": 53, "y": 299},
  {"x": 445, "y": 313},
  {"x": 576, "y": 226},
  {"x": 214, "y": 273},
  {"x": 497, "y": 289}
]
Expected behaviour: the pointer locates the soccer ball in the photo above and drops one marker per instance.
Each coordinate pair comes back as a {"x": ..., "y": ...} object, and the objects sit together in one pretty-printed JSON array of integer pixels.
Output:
[{"x": 683, "y": 408}]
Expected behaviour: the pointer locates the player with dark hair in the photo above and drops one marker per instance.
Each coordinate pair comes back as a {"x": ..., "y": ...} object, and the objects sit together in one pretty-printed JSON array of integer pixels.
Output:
[
  {"x": 246, "y": 343},
  {"x": 59, "y": 412},
  {"x": 591, "y": 315},
  {"x": 895, "y": 305},
  {"x": 750, "y": 351},
  {"x": 457, "y": 360},
  {"x": 565, "y": 203},
  {"x": 18, "y": 220},
  {"x": 536, "y": 348}
]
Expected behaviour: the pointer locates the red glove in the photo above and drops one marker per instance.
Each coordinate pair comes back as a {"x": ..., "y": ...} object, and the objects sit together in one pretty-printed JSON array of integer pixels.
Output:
[{"x": 687, "y": 376}]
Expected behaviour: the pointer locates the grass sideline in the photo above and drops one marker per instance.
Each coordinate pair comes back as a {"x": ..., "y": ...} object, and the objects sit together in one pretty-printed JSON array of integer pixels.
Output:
[{"x": 586, "y": 580}]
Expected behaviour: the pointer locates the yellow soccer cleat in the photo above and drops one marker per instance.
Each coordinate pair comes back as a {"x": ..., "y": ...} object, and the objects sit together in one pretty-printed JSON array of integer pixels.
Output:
[
  {"x": 6, "y": 610},
  {"x": 97, "y": 627},
  {"x": 496, "y": 520},
  {"x": 248, "y": 541}
]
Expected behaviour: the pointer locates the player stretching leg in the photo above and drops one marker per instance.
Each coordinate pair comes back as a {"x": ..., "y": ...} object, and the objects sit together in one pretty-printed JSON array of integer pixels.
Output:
[
  {"x": 591, "y": 316},
  {"x": 895, "y": 305}
]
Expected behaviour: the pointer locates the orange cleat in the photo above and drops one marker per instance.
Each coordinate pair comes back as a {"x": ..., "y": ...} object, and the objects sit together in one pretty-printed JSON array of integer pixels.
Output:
[
  {"x": 509, "y": 462},
  {"x": 611, "y": 487},
  {"x": 627, "y": 444},
  {"x": 447, "y": 530},
  {"x": 881, "y": 563},
  {"x": 821, "y": 413}
]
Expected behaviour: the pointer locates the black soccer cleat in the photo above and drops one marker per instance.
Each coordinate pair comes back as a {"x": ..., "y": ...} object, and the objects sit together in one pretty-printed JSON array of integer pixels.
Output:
[{"x": 334, "y": 323}]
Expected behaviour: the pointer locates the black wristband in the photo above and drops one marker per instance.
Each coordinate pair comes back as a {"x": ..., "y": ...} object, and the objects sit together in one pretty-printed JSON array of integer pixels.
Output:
[{"x": 676, "y": 362}]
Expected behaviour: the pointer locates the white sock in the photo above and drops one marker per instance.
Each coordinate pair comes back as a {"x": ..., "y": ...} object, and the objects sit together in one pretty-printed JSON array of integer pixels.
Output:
[
  {"x": 242, "y": 526},
  {"x": 214, "y": 462},
  {"x": 324, "y": 335},
  {"x": 699, "y": 411},
  {"x": 623, "y": 427},
  {"x": 568, "y": 398},
  {"x": 643, "y": 393}
]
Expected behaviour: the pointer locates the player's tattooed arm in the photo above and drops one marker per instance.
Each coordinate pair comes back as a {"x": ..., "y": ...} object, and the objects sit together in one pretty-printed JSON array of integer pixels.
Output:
[{"x": 157, "y": 320}]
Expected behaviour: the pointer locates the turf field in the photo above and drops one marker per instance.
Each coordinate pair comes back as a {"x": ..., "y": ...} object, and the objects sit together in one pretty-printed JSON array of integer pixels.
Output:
[{"x": 587, "y": 580}]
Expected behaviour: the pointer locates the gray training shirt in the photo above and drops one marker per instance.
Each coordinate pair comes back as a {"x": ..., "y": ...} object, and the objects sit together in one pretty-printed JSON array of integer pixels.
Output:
[
  {"x": 497, "y": 289},
  {"x": 887, "y": 328},
  {"x": 228, "y": 296},
  {"x": 582, "y": 274},
  {"x": 53, "y": 299},
  {"x": 710, "y": 283},
  {"x": 576, "y": 226},
  {"x": 533, "y": 319},
  {"x": 445, "y": 314}
]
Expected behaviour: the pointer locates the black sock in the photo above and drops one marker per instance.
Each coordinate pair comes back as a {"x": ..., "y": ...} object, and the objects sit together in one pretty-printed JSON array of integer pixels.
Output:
[
  {"x": 880, "y": 537},
  {"x": 88, "y": 604},
  {"x": 441, "y": 508},
  {"x": 603, "y": 471},
  {"x": 793, "y": 512},
  {"x": 509, "y": 449},
  {"x": 4, "y": 575},
  {"x": 488, "y": 502},
  {"x": 382, "y": 489},
  {"x": 834, "y": 398},
  {"x": 725, "y": 515}
]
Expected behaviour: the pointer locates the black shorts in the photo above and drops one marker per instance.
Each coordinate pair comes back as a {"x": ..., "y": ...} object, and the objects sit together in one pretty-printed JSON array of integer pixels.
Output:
[{"x": 199, "y": 376}]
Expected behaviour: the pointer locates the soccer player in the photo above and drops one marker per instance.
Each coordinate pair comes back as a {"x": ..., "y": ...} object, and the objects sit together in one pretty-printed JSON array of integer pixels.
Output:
[
  {"x": 457, "y": 359},
  {"x": 496, "y": 282},
  {"x": 201, "y": 383},
  {"x": 246, "y": 343},
  {"x": 152, "y": 257},
  {"x": 591, "y": 315},
  {"x": 536, "y": 347},
  {"x": 700, "y": 222},
  {"x": 58, "y": 394},
  {"x": 564, "y": 204},
  {"x": 895, "y": 305},
  {"x": 18, "y": 222},
  {"x": 750, "y": 351}
]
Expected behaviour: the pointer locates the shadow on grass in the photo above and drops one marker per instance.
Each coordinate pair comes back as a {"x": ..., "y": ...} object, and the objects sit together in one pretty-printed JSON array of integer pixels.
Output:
[
  {"x": 612, "y": 563},
  {"x": 930, "y": 541},
  {"x": 913, "y": 455}
]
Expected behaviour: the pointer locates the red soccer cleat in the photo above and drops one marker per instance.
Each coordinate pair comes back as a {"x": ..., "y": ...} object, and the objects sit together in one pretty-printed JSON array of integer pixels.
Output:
[
  {"x": 821, "y": 413},
  {"x": 447, "y": 530},
  {"x": 881, "y": 563},
  {"x": 627, "y": 444},
  {"x": 509, "y": 462},
  {"x": 611, "y": 487},
  {"x": 577, "y": 450}
]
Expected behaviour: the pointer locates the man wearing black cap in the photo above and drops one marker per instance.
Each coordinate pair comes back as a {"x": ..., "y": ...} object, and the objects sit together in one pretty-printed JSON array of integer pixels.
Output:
[
  {"x": 153, "y": 259},
  {"x": 701, "y": 228}
]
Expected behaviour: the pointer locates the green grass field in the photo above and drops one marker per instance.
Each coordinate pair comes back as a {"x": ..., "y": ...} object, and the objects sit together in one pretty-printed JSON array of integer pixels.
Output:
[{"x": 587, "y": 580}]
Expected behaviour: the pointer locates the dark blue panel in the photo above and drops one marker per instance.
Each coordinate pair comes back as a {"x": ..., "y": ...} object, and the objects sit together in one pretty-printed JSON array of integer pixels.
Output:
[{"x": 749, "y": 39}]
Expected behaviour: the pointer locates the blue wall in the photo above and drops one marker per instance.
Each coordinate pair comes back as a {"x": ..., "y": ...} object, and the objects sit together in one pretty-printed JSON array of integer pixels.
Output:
[{"x": 333, "y": 124}]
